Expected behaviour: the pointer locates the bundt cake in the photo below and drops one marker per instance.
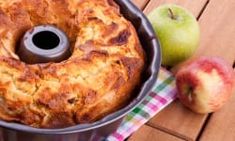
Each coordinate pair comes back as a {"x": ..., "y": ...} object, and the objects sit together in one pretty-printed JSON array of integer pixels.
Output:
[{"x": 97, "y": 79}]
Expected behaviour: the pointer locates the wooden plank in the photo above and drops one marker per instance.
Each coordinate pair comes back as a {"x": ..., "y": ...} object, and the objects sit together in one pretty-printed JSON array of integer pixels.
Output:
[
  {"x": 219, "y": 40},
  {"x": 140, "y": 3},
  {"x": 146, "y": 133},
  {"x": 179, "y": 121},
  {"x": 221, "y": 126},
  {"x": 218, "y": 30},
  {"x": 194, "y": 6},
  {"x": 176, "y": 119}
]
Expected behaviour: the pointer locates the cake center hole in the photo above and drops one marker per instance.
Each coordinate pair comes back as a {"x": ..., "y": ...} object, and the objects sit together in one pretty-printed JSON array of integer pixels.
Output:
[{"x": 46, "y": 40}]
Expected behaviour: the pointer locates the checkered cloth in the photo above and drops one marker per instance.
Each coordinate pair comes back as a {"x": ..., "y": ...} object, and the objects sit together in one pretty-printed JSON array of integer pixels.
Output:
[{"x": 162, "y": 94}]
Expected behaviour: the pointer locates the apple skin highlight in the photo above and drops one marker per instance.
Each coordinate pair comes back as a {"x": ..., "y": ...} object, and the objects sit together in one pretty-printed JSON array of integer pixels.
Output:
[{"x": 211, "y": 82}]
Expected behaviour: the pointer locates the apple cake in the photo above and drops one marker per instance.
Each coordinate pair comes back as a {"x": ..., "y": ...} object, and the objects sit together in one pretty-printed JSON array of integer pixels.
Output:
[{"x": 99, "y": 78}]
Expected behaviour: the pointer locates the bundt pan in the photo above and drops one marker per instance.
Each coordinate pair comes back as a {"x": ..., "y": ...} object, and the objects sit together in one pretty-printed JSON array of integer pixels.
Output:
[{"x": 105, "y": 126}]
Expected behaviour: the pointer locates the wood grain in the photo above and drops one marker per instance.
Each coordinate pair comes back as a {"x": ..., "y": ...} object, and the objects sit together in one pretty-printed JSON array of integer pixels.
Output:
[
  {"x": 140, "y": 3},
  {"x": 146, "y": 133},
  {"x": 217, "y": 24},
  {"x": 194, "y": 6},
  {"x": 221, "y": 126},
  {"x": 179, "y": 121},
  {"x": 218, "y": 30}
]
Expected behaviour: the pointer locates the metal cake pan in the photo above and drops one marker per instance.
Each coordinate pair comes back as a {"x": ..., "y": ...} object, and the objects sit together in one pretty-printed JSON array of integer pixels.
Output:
[{"x": 105, "y": 126}]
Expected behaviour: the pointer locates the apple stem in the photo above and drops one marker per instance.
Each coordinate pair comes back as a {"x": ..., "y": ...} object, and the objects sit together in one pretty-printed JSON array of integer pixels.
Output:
[{"x": 173, "y": 17}]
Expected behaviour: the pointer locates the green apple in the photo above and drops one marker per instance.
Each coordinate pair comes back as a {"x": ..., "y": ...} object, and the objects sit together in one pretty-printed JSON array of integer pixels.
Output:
[{"x": 178, "y": 32}]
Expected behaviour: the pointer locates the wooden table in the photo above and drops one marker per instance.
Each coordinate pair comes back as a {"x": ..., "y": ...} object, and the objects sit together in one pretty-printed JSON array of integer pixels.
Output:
[{"x": 176, "y": 123}]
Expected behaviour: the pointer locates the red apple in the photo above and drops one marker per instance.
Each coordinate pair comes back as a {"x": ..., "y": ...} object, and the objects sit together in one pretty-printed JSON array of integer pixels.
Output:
[{"x": 205, "y": 84}]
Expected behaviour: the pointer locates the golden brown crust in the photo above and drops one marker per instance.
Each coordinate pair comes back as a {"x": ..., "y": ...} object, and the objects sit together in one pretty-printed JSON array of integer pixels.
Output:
[{"x": 96, "y": 80}]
